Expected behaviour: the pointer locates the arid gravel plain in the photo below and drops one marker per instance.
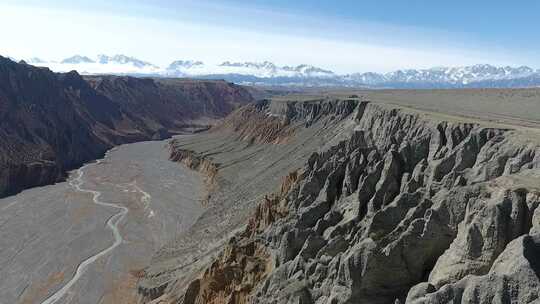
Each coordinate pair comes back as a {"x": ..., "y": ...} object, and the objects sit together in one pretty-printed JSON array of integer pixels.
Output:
[{"x": 48, "y": 233}]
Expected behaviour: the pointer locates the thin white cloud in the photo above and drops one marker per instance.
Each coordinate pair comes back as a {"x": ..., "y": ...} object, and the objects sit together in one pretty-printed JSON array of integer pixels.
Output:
[{"x": 213, "y": 36}]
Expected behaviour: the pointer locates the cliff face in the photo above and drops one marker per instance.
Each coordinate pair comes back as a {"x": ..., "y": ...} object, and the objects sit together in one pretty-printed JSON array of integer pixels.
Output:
[
  {"x": 172, "y": 104},
  {"x": 245, "y": 157},
  {"x": 54, "y": 122},
  {"x": 407, "y": 207},
  {"x": 45, "y": 127},
  {"x": 276, "y": 122},
  {"x": 407, "y": 200}
]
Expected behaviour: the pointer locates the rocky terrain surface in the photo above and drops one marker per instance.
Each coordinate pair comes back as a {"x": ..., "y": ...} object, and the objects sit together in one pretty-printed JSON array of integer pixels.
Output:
[
  {"x": 50, "y": 123},
  {"x": 246, "y": 165},
  {"x": 357, "y": 201}
]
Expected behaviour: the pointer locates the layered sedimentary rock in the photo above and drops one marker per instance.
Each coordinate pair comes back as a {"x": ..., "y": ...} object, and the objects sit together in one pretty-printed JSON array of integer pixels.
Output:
[
  {"x": 432, "y": 202},
  {"x": 277, "y": 122},
  {"x": 171, "y": 104},
  {"x": 50, "y": 123},
  {"x": 195, "y": 162},
  {"x": 405, "y": 207},
  {"x": 250, "y": 170},
  {"x": 245, "y": 261}
]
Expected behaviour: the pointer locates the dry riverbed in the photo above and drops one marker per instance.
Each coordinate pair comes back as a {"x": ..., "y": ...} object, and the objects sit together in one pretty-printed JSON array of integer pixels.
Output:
[{"x": 86, "y": 240}]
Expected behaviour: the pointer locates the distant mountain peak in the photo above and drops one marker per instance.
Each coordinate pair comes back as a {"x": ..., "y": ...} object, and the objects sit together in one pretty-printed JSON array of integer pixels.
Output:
[
  {"x": 185, "y": 64},
  {"x": 269, "y": 69},
  {"x": 35, "y": 60},
  {"x": 265, "y": 65},
  {"x": 458, "y": 75},
  {"x": 103, "y": 64},
  {"x": 77, "y": 59},
  {"x": 123, "y": 59},
  {"x": 309, "y": 70}
]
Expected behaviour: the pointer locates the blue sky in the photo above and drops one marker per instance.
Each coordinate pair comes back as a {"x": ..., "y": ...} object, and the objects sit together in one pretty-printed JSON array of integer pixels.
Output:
[{"x": 345, "y": 36}]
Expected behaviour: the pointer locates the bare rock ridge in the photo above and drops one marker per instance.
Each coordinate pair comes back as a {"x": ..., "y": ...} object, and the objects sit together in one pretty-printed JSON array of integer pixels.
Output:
[
  {"x": 52, "y": 122},
  {"x": 249, "y": 167},
  {"x": 275, "y": 123},
  {"x": 400, "y": 206}
]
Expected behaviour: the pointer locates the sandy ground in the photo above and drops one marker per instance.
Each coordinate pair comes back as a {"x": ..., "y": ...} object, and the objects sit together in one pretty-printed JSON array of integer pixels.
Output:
[{"x": 47, "y": 232}]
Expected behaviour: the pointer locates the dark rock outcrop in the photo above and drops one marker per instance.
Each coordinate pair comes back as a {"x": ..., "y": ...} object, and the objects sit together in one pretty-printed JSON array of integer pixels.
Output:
[{"x": 50, "y": 123}]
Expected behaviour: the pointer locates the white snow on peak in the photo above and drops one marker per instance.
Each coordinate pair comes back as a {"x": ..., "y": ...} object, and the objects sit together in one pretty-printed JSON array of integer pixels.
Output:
[
  {"x": 35, "y": 60},
  {"x": 450, "y": 75},
  {"x": 77, "y": 59},
  {"x": 264, "y": 69},
  {"x": 125, "y": 60},
  {"x": 101, "y": 64}
]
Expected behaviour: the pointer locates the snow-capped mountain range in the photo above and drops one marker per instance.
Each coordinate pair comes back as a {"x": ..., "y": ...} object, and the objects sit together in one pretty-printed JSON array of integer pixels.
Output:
[
  {"x": 101, "y": 64},
  {"x": 256, "y": 69},
  {"x": 267, "y": 73}
]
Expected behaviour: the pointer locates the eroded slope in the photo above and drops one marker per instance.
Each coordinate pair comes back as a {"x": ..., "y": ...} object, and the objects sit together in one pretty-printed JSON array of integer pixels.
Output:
[
  {"x": 50, "y": 123},
  {"x": 399, "y": 205},
  {"x": 246, "y": 166}
]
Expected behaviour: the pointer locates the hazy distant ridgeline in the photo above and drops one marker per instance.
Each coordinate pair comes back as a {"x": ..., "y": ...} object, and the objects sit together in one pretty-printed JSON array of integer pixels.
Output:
[{"x": 54, "y": 122}]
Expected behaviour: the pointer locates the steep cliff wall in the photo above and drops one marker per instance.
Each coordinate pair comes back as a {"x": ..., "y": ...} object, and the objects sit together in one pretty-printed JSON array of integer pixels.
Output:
[
  {"x": 172, "y": 104},
  {"x": 276, "y": 122},
  {"x": 50, "y": 123},
  {"x": 409, "y": 200},
  {"x": 250, "y": 169},
  {"x": 408, "y": 206}
]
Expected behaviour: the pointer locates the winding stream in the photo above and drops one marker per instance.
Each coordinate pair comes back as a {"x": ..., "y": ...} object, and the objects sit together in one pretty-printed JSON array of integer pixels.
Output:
[
  {"x": 55, "y": 242},
  {"x": 112, "y": 223}
]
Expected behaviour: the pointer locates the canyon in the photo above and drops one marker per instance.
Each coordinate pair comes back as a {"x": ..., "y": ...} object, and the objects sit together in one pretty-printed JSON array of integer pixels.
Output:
[
  {"x": 52, "y": 123},
  {"x": 360, "y": 200},
  {"x": 322, "y": 196}
]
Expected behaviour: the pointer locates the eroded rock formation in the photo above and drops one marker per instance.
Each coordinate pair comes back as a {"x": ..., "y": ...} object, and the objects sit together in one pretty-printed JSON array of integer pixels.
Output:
[
  {"x": 245, "y": 260},
  {"x": 276, "y": 122},
  {"x": 408, "y": 208},
  {"x": 51, "y": 123}
]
